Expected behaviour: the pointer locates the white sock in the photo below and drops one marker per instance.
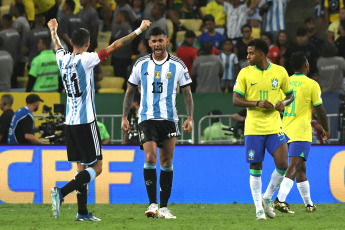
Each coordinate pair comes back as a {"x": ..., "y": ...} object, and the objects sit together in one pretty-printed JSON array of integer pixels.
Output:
[
  {"x": 284, "y": 189},
  {"x": 276, "y": 179},
  {"x": 304, "y": 190},
  {"x": 255, "y": 187}
]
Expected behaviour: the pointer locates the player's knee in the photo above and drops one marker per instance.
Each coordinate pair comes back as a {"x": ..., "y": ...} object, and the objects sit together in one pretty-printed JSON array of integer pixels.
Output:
[{"x": 150, "y": 158}]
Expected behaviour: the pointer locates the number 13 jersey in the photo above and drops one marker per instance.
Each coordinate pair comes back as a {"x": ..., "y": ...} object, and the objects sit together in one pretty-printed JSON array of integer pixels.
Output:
[
  {"x": 159, "y": 80},
  {"x": 77, "y": 77}
]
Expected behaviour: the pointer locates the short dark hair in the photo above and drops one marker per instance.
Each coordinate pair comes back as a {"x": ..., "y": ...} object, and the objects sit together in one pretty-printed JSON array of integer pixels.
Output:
[
  {"x": 214, "y": 113},
  {"x": 206, "y": 48},
  {"x": 80, "y": 37},
  {"x": 124, "y": 14},
  {"x": 269, "y": 35},
  {"x": 46, "y": 40},
  {"x": 70, "y": 4},
  {"x": 7, "y": 18},
  {"x": 246, "y": 26},
  {"x": 208, "y": 17},
  {"x": 20, "y": 7},
  {"x": 259, "y": 45},
  {"x": 329, "y": 50},
  {"x": 158, "y": 31},
  {"x": 309, "y": 20},
  {"x": 8, "y": 99},
  {"x": 301, "y": 31},
  {"x": 297, "y": 60}
]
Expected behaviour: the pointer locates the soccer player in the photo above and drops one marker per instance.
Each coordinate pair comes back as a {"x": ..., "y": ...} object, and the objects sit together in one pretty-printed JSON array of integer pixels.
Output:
[
  {"x": 296, "y": 124},
  {"x": 82, "y": 134},
  {"x": 159, "y": 73},
  {"x": 257, "y": 87}
]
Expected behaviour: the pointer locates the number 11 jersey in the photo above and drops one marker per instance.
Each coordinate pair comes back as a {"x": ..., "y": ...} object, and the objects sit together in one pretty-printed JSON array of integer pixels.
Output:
[{"x": 159, "y": 80}]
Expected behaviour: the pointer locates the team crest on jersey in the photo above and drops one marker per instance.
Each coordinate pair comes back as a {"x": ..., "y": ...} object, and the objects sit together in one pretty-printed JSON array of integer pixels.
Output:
[
  {"x": 142, "y": 135},
  {"x": 157, "y": 74},
  {"x": 168, "y": 75},
  {"x": 251, "y": 154},
  {"x": 274, "y": 83}
]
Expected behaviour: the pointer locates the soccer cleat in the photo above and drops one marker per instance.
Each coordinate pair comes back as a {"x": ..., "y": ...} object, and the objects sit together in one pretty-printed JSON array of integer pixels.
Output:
[
  {"x": 310, "y": 208},
  {"x": 87, "y": 217},
  {"x": 152, "y": 211},
  {"x": 269, "y": 210},
  {"x": 282, "y": 206},
  {"x": 164, "y": 213},
  {"x": 260, "y": 215},
  {"x": 57, "y": 200}
]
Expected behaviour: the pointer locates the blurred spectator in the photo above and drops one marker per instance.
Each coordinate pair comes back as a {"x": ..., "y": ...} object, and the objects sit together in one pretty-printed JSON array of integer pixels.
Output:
[
  {"x": 132, "y": 136},
  {"x": 105, "y": 137},
  {"x": 21, "y": 24},
  {"x": 236, "y": 17},
  {"x": 122, "y": 5},
  {"x": 121, "y": 60},
  {"x": 89, "y": 18},
  {"x": 143, "y": 49},
  {"x": 187, "y": 10},
  {"x": 241, "y": 46},
  {"x": 148, "y": 8},
  {"x": 97, "y": 76},
  {"x": 6, "y": 68},
  {"x": 340, "y": 42},
  {"x": 105, "y": 10},
  {"x": 240, "y": 117},
  {"x": 273, "y": 15},
  {"x": 211, "y": 34},
  {"x": 31, "y": 39},
  {"x": 69, "y": 22},
  {"x": 231, "y": 67},
  {"x": 283, "y": 43},
  {"x": 6, "y": 116},
  {"x": 207, "y": 70},
  {"x": 313, "y": 37},
  {"x": 188, "y": 53},
  {"x": 44, "y": 72},
  {"x": 11, "y": 43},
  {"x": 22, "y": 128},
  {"x": 216, "y": 9},
  {"x": 333, "y": 33},
  {"x": 311, "y": 52},
  {"x": 320, "y": 15},
  {"x": 48, "y": 8},
  {"x": 331, "y": 69},
  {"x": 216, "y": 130},
  {"x": 273, "y": 52},
  {"x": 331, "y": 10},
  {"x": 138, "y": 7},
  {"x": 29, "y": 6},
  {"x": 254, "y": 17},
  {"x": 158, "y": 12}
]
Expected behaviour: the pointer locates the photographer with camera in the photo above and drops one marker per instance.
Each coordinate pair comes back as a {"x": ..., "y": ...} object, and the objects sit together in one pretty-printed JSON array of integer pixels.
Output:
[{"x": 22, "y": 128}]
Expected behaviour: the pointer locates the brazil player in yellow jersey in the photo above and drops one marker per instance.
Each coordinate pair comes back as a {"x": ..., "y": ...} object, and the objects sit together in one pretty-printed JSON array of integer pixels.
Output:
[
  {"x": 258, "y": 88},
  {"x": 296, "y": 124}
]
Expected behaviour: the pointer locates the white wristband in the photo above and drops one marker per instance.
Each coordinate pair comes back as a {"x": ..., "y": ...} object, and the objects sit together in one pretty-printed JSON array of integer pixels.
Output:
[{"x": 138, "y": 31}]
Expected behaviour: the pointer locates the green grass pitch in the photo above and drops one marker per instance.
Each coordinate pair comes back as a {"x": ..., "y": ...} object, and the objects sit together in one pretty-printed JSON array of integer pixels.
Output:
[{"x": 189, "y": 216}]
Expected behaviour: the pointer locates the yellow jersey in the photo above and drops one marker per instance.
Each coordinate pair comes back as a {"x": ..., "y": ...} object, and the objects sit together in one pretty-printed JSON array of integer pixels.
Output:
[
  {"x": 298, "y": 115},
  {"x": 257, "y": 85}
]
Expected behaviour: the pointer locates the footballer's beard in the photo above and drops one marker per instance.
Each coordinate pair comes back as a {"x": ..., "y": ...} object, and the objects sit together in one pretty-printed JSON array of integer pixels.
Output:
[{"x": 159, "y": 51}]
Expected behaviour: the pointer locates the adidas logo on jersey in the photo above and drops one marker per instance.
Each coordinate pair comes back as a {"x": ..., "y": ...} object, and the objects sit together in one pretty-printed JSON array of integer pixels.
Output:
[{"x": 146, "y": 73}]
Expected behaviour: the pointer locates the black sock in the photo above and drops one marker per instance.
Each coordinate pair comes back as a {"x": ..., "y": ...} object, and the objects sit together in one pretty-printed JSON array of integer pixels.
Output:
[
  {"x": 81, "y": 178},
  {"x": 82, "y": 200},
  {"x": 150, "y": 177},
  {"x": 166, "y": 186}
]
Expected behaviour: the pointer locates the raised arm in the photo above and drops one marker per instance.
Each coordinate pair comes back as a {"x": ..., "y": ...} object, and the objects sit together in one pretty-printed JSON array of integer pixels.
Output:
[
  {"x": 53, "y": 25},
  {"x": 118, "y": 44},
  {"x": 188, "y": 101},
  {"x": 127, "y": 101}
]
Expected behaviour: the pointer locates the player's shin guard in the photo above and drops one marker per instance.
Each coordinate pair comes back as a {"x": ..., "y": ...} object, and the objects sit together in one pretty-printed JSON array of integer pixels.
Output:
[
  {"x": 256, "y": 187},
  {"x": 80, "y": 179},
  {"x": 150, "y": 177},
  {"x": 304, "y": 190},
  {"x": 166, "y": 178},
  {"x": 285, "y": 188},
  {"x": 276, "y": 179}
]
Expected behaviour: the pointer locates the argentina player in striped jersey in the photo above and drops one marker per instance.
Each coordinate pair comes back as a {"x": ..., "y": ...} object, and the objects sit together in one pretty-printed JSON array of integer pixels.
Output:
[
  {"x": 159, "y": 73},
  {"x": 82, "y": 134}
]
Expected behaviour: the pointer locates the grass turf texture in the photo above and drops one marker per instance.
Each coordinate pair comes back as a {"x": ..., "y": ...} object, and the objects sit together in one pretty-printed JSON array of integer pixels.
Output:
[{"x": 189, "y": 216}]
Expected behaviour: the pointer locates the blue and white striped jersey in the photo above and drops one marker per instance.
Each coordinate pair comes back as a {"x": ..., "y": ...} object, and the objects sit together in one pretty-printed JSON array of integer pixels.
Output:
[
  {"x": 159, "y": 80},
  {"x": 229, "y": 62},
  {"x": 77, "y": 77},
  {"x": 274, "y": 19}
]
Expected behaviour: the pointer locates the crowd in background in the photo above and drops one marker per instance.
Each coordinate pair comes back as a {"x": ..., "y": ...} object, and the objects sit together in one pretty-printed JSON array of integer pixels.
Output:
[{"x": 214, "y": 52}]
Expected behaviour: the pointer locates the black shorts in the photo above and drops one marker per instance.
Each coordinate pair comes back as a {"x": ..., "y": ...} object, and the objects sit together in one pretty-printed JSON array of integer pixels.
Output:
[
  {"x": 157, "y": 131},
  {"x": 83, "y": 143}
]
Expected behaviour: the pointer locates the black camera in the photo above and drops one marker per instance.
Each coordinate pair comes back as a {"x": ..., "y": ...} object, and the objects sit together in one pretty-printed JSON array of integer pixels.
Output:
[{"x": 53, "y": 127}]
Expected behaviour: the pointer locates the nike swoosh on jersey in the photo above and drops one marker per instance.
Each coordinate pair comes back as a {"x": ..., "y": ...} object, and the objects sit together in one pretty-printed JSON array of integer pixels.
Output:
[{"x": 253, "y": 84}]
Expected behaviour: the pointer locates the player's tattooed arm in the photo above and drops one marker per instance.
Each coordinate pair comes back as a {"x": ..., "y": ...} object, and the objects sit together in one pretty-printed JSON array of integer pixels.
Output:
[
  {"x": 119, "y": 43},
  {"x": 188, "y": 100},
  {"x": 53, "y": 25},
  {"x": 127, "y": 102}
]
